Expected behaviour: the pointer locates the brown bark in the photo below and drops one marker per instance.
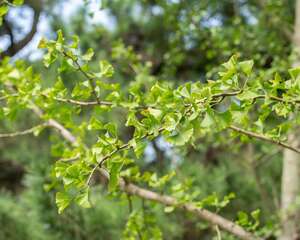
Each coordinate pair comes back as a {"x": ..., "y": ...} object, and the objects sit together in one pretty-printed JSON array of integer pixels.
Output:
[{"x": 15, "y": 47}]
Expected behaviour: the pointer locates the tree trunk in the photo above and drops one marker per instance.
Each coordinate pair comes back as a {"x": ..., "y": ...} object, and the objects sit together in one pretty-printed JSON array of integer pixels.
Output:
[
  {"x": 290, "y": 183},
  {"x": 289, "y": 190}
]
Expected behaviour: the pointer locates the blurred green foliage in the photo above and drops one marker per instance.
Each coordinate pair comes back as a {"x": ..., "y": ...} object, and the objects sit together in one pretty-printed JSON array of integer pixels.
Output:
[{"x": 174, "y": 42}]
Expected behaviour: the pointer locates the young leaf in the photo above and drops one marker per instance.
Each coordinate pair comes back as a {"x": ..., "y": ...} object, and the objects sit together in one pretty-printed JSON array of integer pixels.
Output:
[
  {"x": 181, "y": 137},
  {"x": 42, "y": 43},
  {"x": 140, "y": 148},
  {"x": 294, "y": 72},
  {"x": 62, "y": 201},
  {"x": 83, "y": 199},
  {"x": 88, "y": 55},
  {"x": 171, "y": 121},
  {"x": 246, "y": 66},
  {"x": 95, "y": 124},
  {"x": 115, "y": 169},
  {"x": 3, "y": 10},
  {"x": 169, "y": 209},
  {"x": 156, "y": 113},
  {"x": 106, "y": 70},
  {"x": 208, "y": 120},
  {"x": 18, "y": 2}
]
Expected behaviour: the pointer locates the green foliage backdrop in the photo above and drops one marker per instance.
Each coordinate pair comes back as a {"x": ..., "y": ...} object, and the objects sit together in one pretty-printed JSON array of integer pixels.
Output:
[{"x": 167, "y": 124}]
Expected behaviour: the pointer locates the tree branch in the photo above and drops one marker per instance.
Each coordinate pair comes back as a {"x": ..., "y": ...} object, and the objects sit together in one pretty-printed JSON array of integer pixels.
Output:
[
  {"x": 264, "y": 138},
  {"x": 82, "y": 103},
  {"x": 132, "y": 189},
  {"x": 7, "y": 96},
  {"x": 204, "y": 214},
  {"x": 25, "y": 132},
  {"x": 10, "y": 33},
  {"x": 14, "y": 48}
]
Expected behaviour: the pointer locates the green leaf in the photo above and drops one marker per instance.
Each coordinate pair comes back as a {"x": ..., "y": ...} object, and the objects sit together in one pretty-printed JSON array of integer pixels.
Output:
[
  {"x": 115, "y": 169},
  {"x": 171, "y": 121},
  {"x": 246, "y": 66},
  {"x": 60, "y": 37},
  {"x": 223, "y": 119},
  {"x": 140, "y": 148},
  {"x": 231, "y": 63},
  {"x": 38, "y": 130},
  {"x": 83, "y": 198},
  {"x": 49, "y": 58},
  {"x": 185, "y": 90},
  {"x": 243, "y": 219},
  {"x": 294, "y": 72},
  {"x": 60, "y": 168},
  {"x": 80, "y": 91},
  {"x": 113, "y": 96},
  {"x": 211, "y": 200},
  {"x": 182, "y": 137},
  {"x": 248, "y": 95},
  {"x": 132, "y": 120},
  {"x": 42, "y": 43},
  {"x": 95, "y": 124},
  {"x": 282, "y": 109},
  {"x": 276, "y": 81},
  {"x": 156, "y": 113},
  {"x": 3, "y": 10},
  {"x": 208, "y": 120},
  {"x": 72, "y": 175},
  {"x": 88, "y": 55},
  {"x": 73, "y": 171},
  {"x": 106, "y": 70},
  {"x": 75, "y": 42},
  {"x": 169, "y": 209},
  {"x": 18, "y": 2},
  {"x": 226, "y": 200},
  {"x": 230, "y": 68},
  {"x": 255, "y": 214},
  {"x": 111, "y": 128},
  {"x": 14, "y": 74},
  {"x": 65, "y": 66},
  {"x": 62, "y": 201}
]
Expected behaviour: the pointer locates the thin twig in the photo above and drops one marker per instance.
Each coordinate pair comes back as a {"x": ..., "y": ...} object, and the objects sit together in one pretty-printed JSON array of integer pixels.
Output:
[
  {"x": 220, "y": 97},
  {"x": 264, "y": 138},
  {"x": 7, "y": 96},
  {"x": 264, "y": 158},
  {"x": 278, "y": 99},
  {"x": 70, "y": 159},
  {"x": 227, "y": 94},
  {"x": 109, "y": 155},
  {"x": 219, "y": 237},
  {"x": 24, "y": 132},
  {"x": 82, "y": 103},
  {"x": 130, "y": 206},
  {"x": 86, "y": 75}
]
